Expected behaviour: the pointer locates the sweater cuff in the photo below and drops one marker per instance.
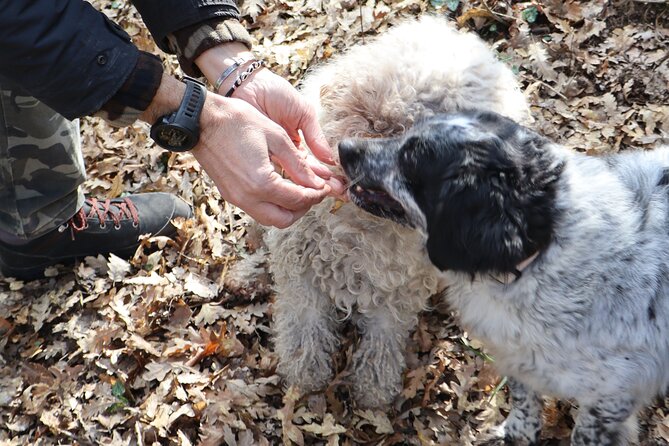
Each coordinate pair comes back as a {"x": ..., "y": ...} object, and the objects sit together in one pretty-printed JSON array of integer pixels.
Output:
[
  {"x": 135, "y": 94},
  {"x": 189, "y": 42}
]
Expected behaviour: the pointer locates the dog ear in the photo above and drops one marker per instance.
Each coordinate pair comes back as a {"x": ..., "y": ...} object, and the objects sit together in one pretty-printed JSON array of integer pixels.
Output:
[{"x": 477, "y": 229}]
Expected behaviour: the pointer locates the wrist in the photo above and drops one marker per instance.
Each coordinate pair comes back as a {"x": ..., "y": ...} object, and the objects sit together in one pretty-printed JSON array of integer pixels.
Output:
[
  {"x": 166, "y": 100},
  {"x": 191, "y": 42},
  {"x": 217, "y": 60},
  {"x": 179, "y": 130}
]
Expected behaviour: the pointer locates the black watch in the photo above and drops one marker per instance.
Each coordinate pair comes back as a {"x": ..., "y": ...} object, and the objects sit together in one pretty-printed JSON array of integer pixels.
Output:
[{"x": 179, "y": 131}]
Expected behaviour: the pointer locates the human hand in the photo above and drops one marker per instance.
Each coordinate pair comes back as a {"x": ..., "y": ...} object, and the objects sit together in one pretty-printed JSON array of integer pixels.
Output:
[
  {"x": 276, "y": 98},
  {"x": 237, "y": 148},
  {"x": 279, "y": 101}
]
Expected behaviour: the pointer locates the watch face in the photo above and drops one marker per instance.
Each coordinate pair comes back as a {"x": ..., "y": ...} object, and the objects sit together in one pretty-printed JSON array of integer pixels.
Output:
[{"x": 173, "y": 136}]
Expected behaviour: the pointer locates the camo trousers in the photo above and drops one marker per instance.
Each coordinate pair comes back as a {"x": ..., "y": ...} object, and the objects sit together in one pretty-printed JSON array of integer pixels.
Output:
[{"x": 41, "y": 167}]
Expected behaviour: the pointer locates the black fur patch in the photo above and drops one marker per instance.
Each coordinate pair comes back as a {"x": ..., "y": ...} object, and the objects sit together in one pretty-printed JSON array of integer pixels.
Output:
[{"x": 487, "y": 190}]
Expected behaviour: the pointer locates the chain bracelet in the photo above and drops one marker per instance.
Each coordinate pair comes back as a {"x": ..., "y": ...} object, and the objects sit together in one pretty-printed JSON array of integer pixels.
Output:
[{"x": 255, "y": 65}]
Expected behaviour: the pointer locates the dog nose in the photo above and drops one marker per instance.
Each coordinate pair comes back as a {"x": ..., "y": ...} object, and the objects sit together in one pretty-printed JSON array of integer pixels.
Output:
[{"x": 349, "y": 151}]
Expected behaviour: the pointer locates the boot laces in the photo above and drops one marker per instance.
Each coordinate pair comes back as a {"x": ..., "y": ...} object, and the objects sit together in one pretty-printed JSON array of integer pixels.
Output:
[{"x": 104, "y": 211}]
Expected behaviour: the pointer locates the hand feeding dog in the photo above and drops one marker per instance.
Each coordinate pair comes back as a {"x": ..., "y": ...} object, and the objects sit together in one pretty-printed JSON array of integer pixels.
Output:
[
  {"x": 556, "y": 260},
  {"x": 329, "y": 266}
]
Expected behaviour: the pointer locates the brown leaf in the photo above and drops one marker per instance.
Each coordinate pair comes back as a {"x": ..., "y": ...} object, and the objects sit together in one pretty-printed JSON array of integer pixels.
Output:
[{"x": 474, "y": 13}]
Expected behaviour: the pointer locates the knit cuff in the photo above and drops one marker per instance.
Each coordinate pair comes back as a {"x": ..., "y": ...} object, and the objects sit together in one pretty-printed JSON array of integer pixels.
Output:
[
  {"x": 189, "y": 42},
  {"x": 136, "y": 93}
]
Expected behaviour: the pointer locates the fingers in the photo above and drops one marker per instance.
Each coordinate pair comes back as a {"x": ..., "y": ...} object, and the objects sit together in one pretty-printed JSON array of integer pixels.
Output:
[
  {"x": 314, "y": 136},
  {"x": 269, "y": 214},
  {"x": 293, "y": 196},
  {"x": 336, "y": 184},
  {"x": 283, "y": 104},
  {"x": 319, "y": 168},
  {"x": 296, "y": 163},
  {"x": 300, "y": 165},
  {"x": 337, "y": 187},
  {"x": 286, "y": 204}
]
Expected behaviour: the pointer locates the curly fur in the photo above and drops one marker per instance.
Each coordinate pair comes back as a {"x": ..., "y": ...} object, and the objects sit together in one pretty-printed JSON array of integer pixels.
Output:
[
  {"x": 368, "y": 267},
  {"x": 588, "y": 317}
]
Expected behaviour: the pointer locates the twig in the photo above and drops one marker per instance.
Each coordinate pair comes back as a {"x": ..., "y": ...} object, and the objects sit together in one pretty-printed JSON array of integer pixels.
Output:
[
  {"x": 498, "y": 14},
  {"x": 532, "y": 78}
]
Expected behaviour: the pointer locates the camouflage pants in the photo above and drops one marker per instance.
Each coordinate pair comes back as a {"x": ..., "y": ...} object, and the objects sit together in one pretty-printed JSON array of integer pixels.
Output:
[{"x": 41, "y": 167}]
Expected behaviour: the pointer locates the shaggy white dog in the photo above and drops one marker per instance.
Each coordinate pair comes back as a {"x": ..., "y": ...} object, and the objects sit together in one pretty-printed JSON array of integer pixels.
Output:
[
  {"x": 349, "y": 263},
  {"x": 556, "y": 260}
]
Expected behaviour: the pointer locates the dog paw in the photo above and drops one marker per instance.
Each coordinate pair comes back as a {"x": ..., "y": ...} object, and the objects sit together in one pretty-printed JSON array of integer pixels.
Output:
[
  {"x": 376, "y": 381},
  {"x": 491, "y": 442},
  {"x": 307, "y": 372},
  {"x": 513, "y": 433},
  {"x": 374, "y": 398}
]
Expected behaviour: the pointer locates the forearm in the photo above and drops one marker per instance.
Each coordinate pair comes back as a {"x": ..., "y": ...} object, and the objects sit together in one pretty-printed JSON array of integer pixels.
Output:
[
  {"x": 166, "y": 100},
  {"x": 134, "y": 96}
]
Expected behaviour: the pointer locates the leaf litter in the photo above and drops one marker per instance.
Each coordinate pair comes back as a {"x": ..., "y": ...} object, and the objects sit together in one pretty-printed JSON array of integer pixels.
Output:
[{"x": 173, "y": 347}]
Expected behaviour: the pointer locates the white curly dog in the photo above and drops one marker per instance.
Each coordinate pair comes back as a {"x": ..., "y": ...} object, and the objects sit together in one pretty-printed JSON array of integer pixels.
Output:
[{"x": 349, "y": 263}]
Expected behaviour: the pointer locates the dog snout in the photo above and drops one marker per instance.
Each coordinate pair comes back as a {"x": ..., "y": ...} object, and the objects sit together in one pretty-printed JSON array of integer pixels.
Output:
[{"x": 350, "y": 152}]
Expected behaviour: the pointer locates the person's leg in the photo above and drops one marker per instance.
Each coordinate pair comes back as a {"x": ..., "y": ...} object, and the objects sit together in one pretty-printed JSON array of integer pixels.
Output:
[
  {"x": 41, "y": 167},
  {"x": 44, "y": 217}
]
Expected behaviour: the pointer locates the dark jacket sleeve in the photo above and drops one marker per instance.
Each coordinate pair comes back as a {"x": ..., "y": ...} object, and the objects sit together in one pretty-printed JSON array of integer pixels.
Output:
[
  {"x": 164, "y": 17},
  {"x": 64, "y": 53}
]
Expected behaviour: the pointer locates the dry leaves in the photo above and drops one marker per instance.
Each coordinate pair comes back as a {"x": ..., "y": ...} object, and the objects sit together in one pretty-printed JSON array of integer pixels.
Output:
[{"x": 173, "y": 347}]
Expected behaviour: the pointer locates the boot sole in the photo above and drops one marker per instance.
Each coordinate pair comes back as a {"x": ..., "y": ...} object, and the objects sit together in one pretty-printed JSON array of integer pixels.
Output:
[{"x": 36, "y": 271}]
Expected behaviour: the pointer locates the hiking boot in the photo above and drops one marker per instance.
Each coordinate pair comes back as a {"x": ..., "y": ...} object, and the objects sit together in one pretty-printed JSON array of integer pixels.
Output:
[{"x": 100, "y": 227}]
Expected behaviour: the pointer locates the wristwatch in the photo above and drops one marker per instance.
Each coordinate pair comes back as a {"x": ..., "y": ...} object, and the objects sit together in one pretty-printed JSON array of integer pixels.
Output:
[{"x": 179, "y": 131}]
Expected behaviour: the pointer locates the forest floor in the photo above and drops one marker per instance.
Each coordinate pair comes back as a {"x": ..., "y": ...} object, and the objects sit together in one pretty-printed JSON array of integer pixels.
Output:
[{"x": 173, "y": 347}]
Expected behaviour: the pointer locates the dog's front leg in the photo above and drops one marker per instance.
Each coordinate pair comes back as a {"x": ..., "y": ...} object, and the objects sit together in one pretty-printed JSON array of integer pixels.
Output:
[
  {"x": 523, "y": 425},
  {"x": 608, "y": 422},
  {"x": 378, "y": 362},
  {"x": 305, "y": 333}
]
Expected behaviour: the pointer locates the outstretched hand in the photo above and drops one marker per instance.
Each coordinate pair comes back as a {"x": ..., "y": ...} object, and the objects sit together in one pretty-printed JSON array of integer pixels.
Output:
[
  {"x": 243, "y": 137},
  {"x": 237, "y": 147},
  {"x": 279, "y": 101}
]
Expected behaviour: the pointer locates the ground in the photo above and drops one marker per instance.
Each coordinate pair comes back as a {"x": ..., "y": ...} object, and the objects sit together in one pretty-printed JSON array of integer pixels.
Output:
[{"x": 174, "y": 347}]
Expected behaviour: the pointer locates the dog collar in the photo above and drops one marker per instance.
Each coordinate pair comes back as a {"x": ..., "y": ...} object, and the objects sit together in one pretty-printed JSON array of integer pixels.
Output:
[{"x": 509, "y": 278}]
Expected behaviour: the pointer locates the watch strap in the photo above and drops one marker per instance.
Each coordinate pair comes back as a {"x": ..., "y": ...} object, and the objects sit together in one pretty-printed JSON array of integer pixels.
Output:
[
  {"x": 179, "y": 131},
  {"x": 191, "y": 104}
]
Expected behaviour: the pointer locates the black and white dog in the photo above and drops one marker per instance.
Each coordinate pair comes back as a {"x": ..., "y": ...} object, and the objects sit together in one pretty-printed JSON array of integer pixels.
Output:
[{"x": 557, "y": 261}]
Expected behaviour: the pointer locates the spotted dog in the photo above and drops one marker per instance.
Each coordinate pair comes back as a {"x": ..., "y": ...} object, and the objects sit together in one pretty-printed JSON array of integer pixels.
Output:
[{"x": 556, "y": 260}]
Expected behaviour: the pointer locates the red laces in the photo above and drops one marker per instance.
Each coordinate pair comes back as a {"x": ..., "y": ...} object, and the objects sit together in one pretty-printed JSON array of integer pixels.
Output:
[{"x": 104, "y": 211}]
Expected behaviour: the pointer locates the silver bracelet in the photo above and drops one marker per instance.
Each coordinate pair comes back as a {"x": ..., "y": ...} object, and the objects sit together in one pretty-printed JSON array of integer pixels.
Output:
[
  {"x": 255, "y": 65},
  {"x": 228, "y": 71}
]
